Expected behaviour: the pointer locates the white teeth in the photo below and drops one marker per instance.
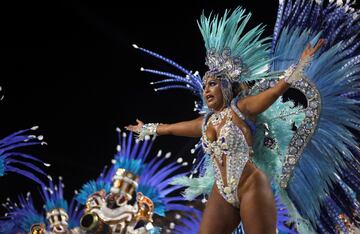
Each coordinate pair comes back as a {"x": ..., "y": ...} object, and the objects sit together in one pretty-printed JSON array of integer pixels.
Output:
[{"x": 209, "y": 97}]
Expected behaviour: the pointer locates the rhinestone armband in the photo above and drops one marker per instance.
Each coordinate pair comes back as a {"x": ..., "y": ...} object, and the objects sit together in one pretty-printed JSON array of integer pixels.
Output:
[
  {"x": 304, "y": 132},
  {"x": 295, "y": 72},
  {"x": 147, "y": 129}
]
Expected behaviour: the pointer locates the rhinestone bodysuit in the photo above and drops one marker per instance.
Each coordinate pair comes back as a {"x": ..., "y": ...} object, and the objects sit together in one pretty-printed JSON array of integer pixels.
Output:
[{"x": 232, "y": 144}]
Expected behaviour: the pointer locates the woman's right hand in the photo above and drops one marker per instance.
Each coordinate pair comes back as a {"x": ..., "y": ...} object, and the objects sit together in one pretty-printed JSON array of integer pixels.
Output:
[
  {"x": 135, "y": 128},
  {"x": 310, "y": 50}
]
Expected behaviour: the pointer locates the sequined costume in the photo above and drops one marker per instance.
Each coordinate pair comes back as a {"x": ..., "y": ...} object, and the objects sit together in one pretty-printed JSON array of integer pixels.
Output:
[
  {"x": 311, "y": 152},
  {"x": 230, "y": 144}
]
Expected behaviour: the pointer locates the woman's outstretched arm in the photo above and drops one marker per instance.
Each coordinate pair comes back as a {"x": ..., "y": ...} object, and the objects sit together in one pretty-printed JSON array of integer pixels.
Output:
[
  {"x": 191, "y": 128},
  {"x": 254, "y": 105}
]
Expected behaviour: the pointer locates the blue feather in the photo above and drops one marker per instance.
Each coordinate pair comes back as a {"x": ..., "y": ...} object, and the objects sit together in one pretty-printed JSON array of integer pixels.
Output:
[
  {"x": 154, "y": 177},
  {"x": 53, "y": 196},
  {"x": 327, "y": 163},
  {"x": 20, "y": 217},
  {"x": 9, "y": 159},
  {"x": 90, "y": 188},
  {"x": 75, "y": 214}
]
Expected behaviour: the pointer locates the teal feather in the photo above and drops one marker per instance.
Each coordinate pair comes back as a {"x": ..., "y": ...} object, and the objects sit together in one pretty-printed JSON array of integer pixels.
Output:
[
  {"x": 279, "y": 118},
  {"x": 228, "y": 32},
  {"x": 135, "y": 166},
  {"x": 334, "y": 73},
  {"x": 155, "y": 230},
  {"x": 90, "y": 188},
  {"x": 197, "y": 186}
]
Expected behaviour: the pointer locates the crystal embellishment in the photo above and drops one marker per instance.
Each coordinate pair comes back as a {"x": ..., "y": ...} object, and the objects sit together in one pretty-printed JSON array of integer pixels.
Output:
[
  {"x": 230, "y": 144},
  {"x": 304, "y": 132},
  {"x": 221, "y": 63}
]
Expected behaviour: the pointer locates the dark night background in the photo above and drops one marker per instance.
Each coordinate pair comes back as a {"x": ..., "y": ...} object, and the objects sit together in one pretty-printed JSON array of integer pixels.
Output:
[{"x": 69, "y": 67}]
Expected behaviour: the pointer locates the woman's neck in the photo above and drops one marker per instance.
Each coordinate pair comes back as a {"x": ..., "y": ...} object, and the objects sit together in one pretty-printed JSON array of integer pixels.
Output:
[{"x": 218, "y": 110}]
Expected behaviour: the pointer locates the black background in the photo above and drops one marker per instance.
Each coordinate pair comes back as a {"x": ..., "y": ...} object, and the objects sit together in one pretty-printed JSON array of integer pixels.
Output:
[{"x": 69, "y": 67}]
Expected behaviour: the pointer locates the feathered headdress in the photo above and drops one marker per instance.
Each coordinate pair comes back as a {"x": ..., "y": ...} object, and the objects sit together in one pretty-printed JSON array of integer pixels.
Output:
[
  {"x": 153, "y": 178},
  {"x": 231, "y": 53},
  {"x": 20, "y": 216},
  {"x": 23, "y": 215},
  {"x": 55, "y": 203},
  {"x": 238, "y": 56}
]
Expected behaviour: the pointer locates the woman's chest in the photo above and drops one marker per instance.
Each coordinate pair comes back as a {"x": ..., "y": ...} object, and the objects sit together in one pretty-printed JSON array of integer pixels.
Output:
[
  {"x": 225, "y": 131},
  {"x": 229, "y": 138}
]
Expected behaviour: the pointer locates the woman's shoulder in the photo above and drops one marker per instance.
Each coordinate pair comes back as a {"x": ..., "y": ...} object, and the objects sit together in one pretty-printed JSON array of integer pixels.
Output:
[{"x": 239, "y": 106}]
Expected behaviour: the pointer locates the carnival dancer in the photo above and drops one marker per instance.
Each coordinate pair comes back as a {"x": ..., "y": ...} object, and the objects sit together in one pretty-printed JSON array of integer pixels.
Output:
[{"x": 308, "y": 152}]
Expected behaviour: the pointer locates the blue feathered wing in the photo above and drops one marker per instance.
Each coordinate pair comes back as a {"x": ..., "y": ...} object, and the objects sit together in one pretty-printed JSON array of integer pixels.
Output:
[{"x": 312, "y": 151}]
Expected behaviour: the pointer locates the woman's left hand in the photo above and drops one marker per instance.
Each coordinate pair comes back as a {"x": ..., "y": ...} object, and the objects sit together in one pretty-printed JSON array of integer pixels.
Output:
[{"x": 310, "y": 51}]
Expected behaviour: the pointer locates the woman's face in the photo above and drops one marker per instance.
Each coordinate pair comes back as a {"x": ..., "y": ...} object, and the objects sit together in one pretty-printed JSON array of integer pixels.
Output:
[{"x": 212, "y": 93}]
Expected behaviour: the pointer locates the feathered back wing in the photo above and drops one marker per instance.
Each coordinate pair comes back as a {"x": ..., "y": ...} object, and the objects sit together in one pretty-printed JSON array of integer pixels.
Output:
[{"x": 322, "y": 157}]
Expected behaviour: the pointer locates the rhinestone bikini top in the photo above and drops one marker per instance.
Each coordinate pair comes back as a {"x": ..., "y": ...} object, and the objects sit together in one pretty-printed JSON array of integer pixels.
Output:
[{"x": 229, "y": 135}]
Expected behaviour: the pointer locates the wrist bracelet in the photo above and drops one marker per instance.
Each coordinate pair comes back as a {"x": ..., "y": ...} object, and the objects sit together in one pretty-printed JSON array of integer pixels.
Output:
[
  {"x": 295, "y": 72},
  {"x": 147, "y": 130}
]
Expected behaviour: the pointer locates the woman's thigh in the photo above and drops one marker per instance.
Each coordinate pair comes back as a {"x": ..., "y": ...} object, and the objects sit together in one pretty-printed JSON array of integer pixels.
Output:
[
  {"x": 219, "y": 216},
  {"x": 257, "y": 208}
]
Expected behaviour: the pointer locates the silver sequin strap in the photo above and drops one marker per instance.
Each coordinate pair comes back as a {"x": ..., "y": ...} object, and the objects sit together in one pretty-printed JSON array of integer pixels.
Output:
[
  {"x": 304, "y": 132},
  {"x": 205, "y": 121},
  {"x": 236, "y": 109}
]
